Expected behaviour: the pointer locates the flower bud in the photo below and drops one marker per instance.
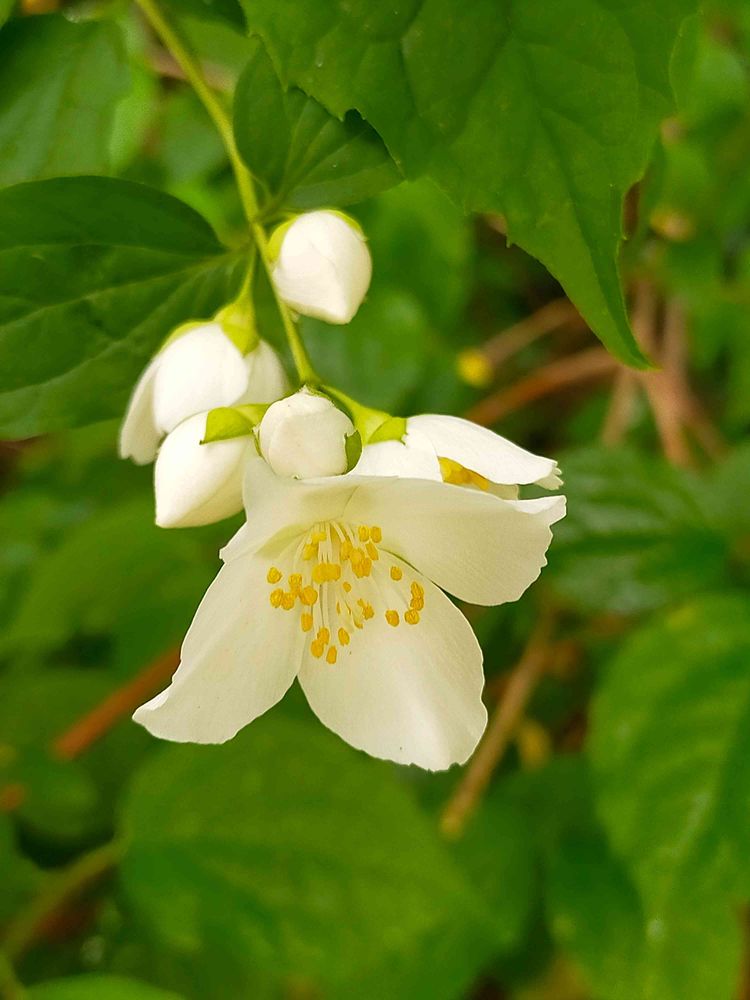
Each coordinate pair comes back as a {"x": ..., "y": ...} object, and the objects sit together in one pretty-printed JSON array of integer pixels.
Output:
[
  {"x": 198, "y": 371},
  {"x": 323, "y": 268},
  {"x": 305, "y": 436},
  {"x": 198, "y": 483}
]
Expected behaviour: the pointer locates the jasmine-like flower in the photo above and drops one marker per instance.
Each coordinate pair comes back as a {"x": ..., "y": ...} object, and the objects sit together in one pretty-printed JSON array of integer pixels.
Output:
[{"x": 290, "y": 426}]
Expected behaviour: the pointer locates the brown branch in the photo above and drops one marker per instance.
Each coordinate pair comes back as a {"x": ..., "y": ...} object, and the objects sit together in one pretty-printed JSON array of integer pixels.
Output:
[
  {"x": 508, "y": 342},
  {"x": 592, "y": 363},
  {"x": 500, "y": 730},
  {"x": 96, "y": 723},
  {"x": 621, "y": 408}
]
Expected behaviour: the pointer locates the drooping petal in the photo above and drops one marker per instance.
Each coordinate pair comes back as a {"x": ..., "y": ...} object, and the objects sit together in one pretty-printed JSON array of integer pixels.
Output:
[
  {"x": 479, "y": 547},
  {"x": 200, "y": 370},
  {"x": 238, "y": 659},
  {"x": 139, "y": 435},
  {"x": 393, "y": 458},
  {"x": 481, "y": 450},
  {"x": 198, "y": 483},
  {"x": 410, "y": 693},
  {"x": 266, "y": 379}
]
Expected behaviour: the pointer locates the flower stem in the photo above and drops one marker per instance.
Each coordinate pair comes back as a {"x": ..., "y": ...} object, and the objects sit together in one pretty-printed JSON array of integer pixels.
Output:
[{"x": 179, "y": 47}]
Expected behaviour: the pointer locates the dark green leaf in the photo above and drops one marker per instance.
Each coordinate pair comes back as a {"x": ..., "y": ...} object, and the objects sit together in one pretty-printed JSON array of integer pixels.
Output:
[
  {"x": 670, "y": 749},
  {"x": 549, "y": 120},
  {"x": 305, "y": 156},
  {"x": 59, "y": 85},
  {"x": 289, "y": 852},
  {"x": 94, "y": 273},
  {"x": 98, "y": 987},
  {"x": 224, "y": 11}
]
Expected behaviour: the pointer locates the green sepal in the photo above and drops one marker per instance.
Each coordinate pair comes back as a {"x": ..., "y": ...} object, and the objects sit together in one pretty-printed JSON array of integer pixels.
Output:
[
  {"x": 353, "y": 445},
  {"x": 392, "y": 429},
  {"x": 237, "y": 320},
  {"x": 277, "y": 238},
  {"x": 226, "y": 422},
  {"x": 366, "y": 420},
  {"x": 181, "y": 330}
]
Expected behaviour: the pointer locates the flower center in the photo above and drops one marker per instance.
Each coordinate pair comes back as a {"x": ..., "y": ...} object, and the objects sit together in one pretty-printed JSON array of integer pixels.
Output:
[{"x": 338, "y": 584}]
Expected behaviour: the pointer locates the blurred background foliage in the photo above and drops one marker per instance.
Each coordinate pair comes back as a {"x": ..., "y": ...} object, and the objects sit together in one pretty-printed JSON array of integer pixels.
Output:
[{"x": 597, "y": 846}]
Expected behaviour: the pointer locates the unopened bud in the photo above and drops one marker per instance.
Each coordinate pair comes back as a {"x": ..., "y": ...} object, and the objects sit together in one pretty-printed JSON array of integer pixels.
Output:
[{"x": 305, "y": 436}]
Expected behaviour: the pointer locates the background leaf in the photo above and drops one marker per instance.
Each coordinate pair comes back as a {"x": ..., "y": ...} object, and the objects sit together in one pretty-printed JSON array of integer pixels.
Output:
[{"x": 95, "y": 987}]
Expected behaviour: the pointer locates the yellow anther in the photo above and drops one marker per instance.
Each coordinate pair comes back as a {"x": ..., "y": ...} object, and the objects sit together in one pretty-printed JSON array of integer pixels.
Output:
[
  {"x": 366, "y": 567},
  {"x": 334, "y": 571},
  {"x": 277, "y": 596},
  {"x": 411, "y": 617},
  {"x": 376, "y": 534},
  {"x": 479, "y": 481},
  {"x": 338, "y": 607},
  {"x": 343, "y": 637},
  {"x": 274, "y": 575},
  {"x": 456, "y": 474},
  {"x": 417, "y": 590},
  {"x": 356, "y": 557},
  {"x": 396, "y": 573},
  {"x": 287, "y": 601},
  {"x": 318, "y": 536},
  {"x": 392, "y": 617},
  {"x": 368, "y": 610},
  {"x": 347, "y": 586},
  {"x": 331, "y": 655},
  {"x": 320, "y": 573},
  {"x": 323, "y": 635},
  {"x": 309, "y": 552},
  {"x": 372, "y": 552},
  {"x": 317, "y": 648},
  {"x": 308, "y": 596},
  {"x": 417, "y": 603},
  {"x": 346, "y": 549},
  {"x": 306, "y": 621},
  {"x": 363, "y": 533},
  {"x": 295, "y": 582}
]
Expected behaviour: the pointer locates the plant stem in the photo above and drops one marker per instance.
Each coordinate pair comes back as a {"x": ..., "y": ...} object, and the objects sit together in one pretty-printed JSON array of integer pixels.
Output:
[
  {"x": 179, "y": 48},
  {"x": 22, "y": 930}
]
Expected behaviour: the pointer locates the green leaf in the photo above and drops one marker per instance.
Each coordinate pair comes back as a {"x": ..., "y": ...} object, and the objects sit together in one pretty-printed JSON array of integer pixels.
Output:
[
  {"x": 224, "y": 11},
  {"x": 94, "y": 273},
  {"x": 98, "y": 987},
  {"x": 60, "y": 83},
  {"x": 670, "y": 745},
  {"x": 549, "y": 121},
  {"x": 17, "y": 875},
  {"x": 289, "y": 853},
  {"x": 6, "y": 9},
  {"x": 636, "y": 536},
  {"x": 305, "y": 156}
]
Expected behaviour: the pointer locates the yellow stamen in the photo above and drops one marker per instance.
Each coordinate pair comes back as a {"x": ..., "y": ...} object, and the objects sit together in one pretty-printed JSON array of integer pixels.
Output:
[
  {"x": 331, "y": 655},
  {"x": 318, "y": 536},
  {"x": 317, "y": 648},
  {"x": 417, "y": 590},
  {"x": 287, "y": 601},
  {"x": 274, "y": 575},
  {"x": 323, "y": 635},
  {"x": 306, "y": 621},
  {"x": 411, "y": 617},
  {"x": 309, "y": 552},
  {"x": 396, "y": 573},
  {"x": 346, "y": 549},
  {"x": 308, "y": 596},
  {"x": 392, "y": 617},
  {"x": 417, "y": 603},
  {"x": 277, "y": 596},
  {"x": 295, "y": 583},
  {"x": 372, "y": 552},
  {"x": 343, "y": 637},
  {"x": 320, "y": 572},
  {"x": 363, "y": 533},
  {"x": 376, "y": 534},
  {"x": 347, "y": 587}
]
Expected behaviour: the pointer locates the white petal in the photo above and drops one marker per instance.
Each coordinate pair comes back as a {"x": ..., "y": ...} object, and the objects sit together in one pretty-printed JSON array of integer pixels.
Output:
[
  {"x": 239, "y": 658},
  {"x": 198, "y": 483},
  {"x": 139, "y": 436},
  {"x": 483, "y": 451},
  {"x": 412, "y": 694},
  {"x": 199, "y": 371},
  {"x": 474, "y": 545},
  {"x": 393, "y": 458},
  {"x": 266, "y": 379},
  {"x": 304, "y": 436}
]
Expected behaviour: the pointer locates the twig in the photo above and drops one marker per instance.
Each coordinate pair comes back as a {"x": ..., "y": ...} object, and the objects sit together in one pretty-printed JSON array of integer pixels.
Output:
[
  {"x": 592, "y": 363},
  {"x": 92, "y": 726},
  {"x": 621, "y": 406},
  {"x": 521, "y": 684},
  {"x": 508, "y": 342}
]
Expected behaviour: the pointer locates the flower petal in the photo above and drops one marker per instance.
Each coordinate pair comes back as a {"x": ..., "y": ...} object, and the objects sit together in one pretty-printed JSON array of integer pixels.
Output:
[
  {"x": 139, "y": 435},
  {"x": 238, "y": 659},
  {"x": 199, "y": 371},
  {"x": 393, "y": 458},
  {"x": 476, "y": 546},
  {"x": 198, "y": 483},
  {"x": 482, "y": 451},
  {"x": 267, "y": 380},
  {"x": 411, "y": 694}
]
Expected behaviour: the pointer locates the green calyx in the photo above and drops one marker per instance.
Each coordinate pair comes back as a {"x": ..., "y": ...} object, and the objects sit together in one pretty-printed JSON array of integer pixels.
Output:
[
  {"x": 237, "y": 320},
  {"x": 227, "y": 422},
  {"x": 277, "y": 238},
  {"x": 392, "y": 429},
  {"x": 373, "y": 425}
]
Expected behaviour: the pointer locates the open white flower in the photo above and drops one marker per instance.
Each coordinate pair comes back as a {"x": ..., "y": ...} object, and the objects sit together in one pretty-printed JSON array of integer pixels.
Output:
[
  {"x": 198, "y": 371},
  {"x": 338, "y": 582},
  {"x": 458, "y": 451},
  {"x": 197, "y": 483},
  {"x": 305, "y": 436},
  {"x": 323, "y": 267}
]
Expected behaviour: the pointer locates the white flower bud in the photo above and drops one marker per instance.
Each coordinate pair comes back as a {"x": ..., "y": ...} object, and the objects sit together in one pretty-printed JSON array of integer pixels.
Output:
[
  {"x": 323, "y": 267},
  {"x": 304, "y": 436},
  {"x": 198, "y": 483}
]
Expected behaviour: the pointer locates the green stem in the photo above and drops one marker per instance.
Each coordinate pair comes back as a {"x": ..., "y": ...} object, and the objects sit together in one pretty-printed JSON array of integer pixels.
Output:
[
  {"x": 179, "y": 47},
  {"x": 22, "y": 930}
]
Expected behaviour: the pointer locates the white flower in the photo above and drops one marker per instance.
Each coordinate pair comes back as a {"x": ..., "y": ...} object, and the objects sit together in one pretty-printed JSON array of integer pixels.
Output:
[
  {"x": 336, "y": 581},
  {"x": 305, "y": 436},
  {"x": 460, "y": 452},
  {"x": 200, "y": 370},
  {"x": 323, "y": 268},
  {"x": 198, "y": 483}
]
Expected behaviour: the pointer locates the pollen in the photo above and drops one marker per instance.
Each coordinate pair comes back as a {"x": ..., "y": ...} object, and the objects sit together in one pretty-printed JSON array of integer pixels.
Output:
[
  {"x": 317, "y": 648},
  {"x": 309, "y": 552},
  {"x": 376, "y": 534},
  {"x": 287, "y": 601},
  {"x": 343, "y": 637},
  {"x": 331, "y": 655},
  {"x": 306, "y": 621},
  {"x": 308, "y": 595},
  {"x": 363, "y": 533},
  {"x": 324, "y": 636},
  {"x": 396, "y": 573},
  {"x": 411, "y": 617},
  {"x": 392, "y": 617},
  {"x": 372, "y": 552},
  {"x": 274, "y": 575},
  {"x": 295, "y": 583},
  {"x": 277, "y": 596}
]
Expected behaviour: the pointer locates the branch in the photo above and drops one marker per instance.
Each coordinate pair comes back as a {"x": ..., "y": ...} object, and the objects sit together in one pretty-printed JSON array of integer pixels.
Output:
[{"x": 508, "y": 342}]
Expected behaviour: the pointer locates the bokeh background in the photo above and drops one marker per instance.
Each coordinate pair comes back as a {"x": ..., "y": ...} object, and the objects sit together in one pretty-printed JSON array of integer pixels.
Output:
[{"x": 598, "y": 845}]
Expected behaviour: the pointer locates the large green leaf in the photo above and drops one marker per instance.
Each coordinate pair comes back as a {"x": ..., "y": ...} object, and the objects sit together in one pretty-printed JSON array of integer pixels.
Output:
[
  {"x": 59, "y": 85},
  {"x": 98, "y": 987},
  {"x": 305, "y": 156},
  {"x": 94, "y": 273},
  {"x": 549, "y": 120},
  {"x": 288, "y": 852},
  {"x": 671, "y": 750}
]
